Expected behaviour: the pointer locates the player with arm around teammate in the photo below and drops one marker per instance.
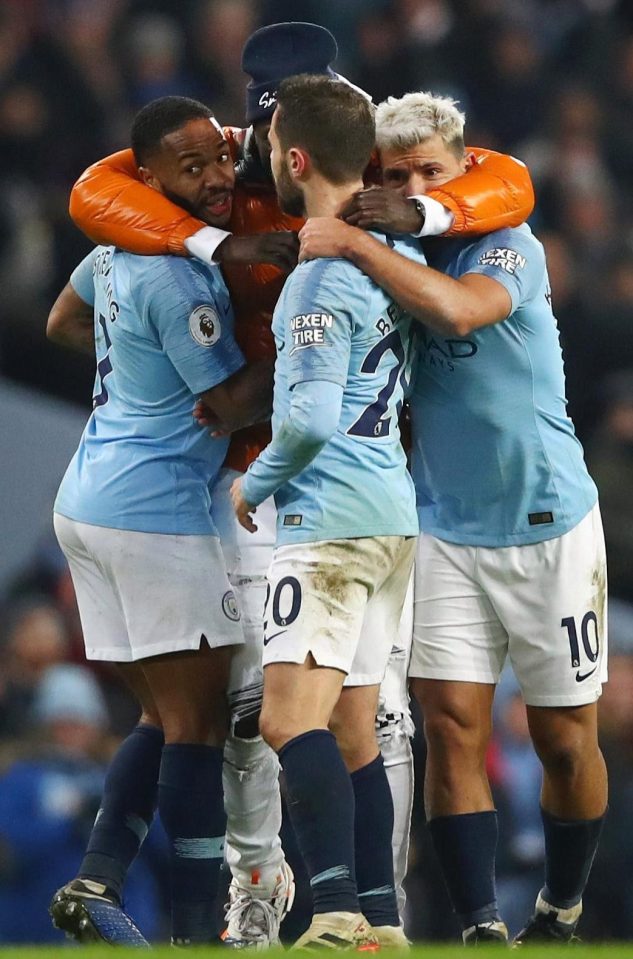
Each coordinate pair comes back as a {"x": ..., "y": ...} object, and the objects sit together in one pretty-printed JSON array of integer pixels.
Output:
[
  {"x": 112, "y": 204},
  {"x": 133, "y": 517},
  {"x": 511, "y": 560}
]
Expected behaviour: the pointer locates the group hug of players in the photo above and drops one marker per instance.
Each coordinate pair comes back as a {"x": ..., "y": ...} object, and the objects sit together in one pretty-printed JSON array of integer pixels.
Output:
[{"x": 307, "y": 618}]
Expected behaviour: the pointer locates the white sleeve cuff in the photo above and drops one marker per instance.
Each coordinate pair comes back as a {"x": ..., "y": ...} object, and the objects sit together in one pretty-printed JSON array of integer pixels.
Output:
[
  {"x": 437, "y": 219},
  {"x": 205, "y": 242}
]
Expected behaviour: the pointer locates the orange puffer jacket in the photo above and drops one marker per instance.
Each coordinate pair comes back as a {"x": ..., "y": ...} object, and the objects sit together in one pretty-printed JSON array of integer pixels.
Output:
[{"x": 111, "y": 205}]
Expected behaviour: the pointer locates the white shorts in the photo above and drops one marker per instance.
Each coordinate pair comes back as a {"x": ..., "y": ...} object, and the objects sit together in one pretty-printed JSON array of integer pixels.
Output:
[
  {"x": 341, "y": 601},
  {"x": 144, "y": 594},
  {"x": 542, "y": 605}
]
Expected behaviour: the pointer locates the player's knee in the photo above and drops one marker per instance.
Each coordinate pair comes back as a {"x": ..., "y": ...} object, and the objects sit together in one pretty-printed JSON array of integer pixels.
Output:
[
  {"x": 188, "y": 724},
  {"x": 563, "y": 754},
  {"x": 150, "y": 717},
  {"x": 272, "y": 731},
  {"x": 456, "y": 735}
]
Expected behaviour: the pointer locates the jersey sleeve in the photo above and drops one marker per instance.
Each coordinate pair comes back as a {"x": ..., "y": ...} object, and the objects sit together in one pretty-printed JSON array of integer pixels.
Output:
[
  {"x": 318, "y": 323},
  {"x": 193, "y": 321},
  {"x": 111, "y": 205},
  {"x": 82, "y": 281},
  {"x": 494, "y": 194},
  {"x": 512, "y": 258}
]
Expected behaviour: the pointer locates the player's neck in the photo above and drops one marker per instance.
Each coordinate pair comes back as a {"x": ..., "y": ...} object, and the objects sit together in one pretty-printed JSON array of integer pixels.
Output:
[{"x": 327, "y": 199}]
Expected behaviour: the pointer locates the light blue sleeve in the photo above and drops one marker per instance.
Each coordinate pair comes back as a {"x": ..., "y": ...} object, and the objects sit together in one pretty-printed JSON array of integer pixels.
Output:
[
  {"x": 318, "y": 321},
  {"x": 314, "y": 414},
  {"x": 81, "y": 279},
  {"x": 513, "y": 258},
  {"x": 193, "y": 318}
]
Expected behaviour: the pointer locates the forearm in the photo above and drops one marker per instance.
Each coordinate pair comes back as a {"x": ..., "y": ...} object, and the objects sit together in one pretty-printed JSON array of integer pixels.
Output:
[
  {"x": 247, "y": 397},
  {"x": 313, "y": 417},
  {"x": 70, "y": 322},
  {"x": 495, "y": 193},
  {"x": 78, "y": 336},
  {"x": 437, "y": 300}
]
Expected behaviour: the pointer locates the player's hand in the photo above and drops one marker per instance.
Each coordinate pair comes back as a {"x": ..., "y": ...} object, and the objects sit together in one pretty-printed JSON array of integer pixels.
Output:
[
  {"x": 205, "y": 418},
  {"x": 241, "y": 507},
  {"x": 378, "y": 208},
  {"x": 280, "y": 248},
  {"x": 324, "y": 236}
]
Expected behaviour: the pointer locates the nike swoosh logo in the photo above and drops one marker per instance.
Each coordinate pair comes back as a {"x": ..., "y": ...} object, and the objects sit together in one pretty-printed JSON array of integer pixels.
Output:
[
  {"x": 580, "y": 678},
  {"x": 267, "y": 639}
]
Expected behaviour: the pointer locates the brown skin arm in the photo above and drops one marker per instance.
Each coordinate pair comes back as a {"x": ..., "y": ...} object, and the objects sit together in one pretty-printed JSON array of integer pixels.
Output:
[
  {"x": 71, "y": 322},
  {"x": 243, "y": 399},
  {"x": 452, "y": 307}
]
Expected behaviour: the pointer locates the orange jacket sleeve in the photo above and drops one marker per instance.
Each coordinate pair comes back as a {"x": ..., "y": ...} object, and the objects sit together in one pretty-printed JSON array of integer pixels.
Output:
[
  {"x": 496, "y": 192},
  {"x": 111, "y": 205}
]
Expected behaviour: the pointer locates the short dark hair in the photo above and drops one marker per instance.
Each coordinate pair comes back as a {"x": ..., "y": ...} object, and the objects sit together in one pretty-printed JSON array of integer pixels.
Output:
[
  {"x": 159, "y": 118},
  {"x": 329, "y": 119}
]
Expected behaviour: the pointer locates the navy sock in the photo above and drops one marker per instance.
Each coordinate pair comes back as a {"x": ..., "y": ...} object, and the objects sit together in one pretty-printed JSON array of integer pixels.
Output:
[
  {"x": 466, "y": 847},
  {"x": 320, "y": 802},
  {"x": 570, "y": 847},
  {"x": 373, "y": 833},
  {"x": 127, "y": 808},
  {"x": 191, "y": 807}
]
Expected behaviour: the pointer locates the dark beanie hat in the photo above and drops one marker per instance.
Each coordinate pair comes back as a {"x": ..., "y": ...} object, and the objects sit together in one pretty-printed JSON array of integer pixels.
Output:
[{"x": 283, "y": 50}]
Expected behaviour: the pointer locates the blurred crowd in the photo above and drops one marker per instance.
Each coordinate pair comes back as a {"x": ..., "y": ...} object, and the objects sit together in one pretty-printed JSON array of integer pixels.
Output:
[{"x": 550, "y": 81}]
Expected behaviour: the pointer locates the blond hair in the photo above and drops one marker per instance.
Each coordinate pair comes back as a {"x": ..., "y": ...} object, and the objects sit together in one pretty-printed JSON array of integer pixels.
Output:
[{"x": 405, "y": 122}]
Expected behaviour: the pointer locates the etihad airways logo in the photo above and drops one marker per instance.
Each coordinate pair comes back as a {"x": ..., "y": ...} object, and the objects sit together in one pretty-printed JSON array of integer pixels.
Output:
[{"x": 441, "y": 353}]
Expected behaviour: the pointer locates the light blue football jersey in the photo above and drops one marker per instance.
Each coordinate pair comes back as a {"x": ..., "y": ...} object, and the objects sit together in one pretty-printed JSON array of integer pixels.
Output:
[
  {"x": 495, "y": 458},
  {"x": 164, "y": 334},
  {"x": 333, "y": 323}
]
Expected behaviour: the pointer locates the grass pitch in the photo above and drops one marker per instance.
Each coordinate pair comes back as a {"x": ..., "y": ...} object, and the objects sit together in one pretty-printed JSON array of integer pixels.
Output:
[{"x": 430, "y": 951}]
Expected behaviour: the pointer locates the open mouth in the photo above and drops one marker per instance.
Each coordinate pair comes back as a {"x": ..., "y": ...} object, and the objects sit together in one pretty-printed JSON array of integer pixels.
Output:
[{"x": 220, "y": 205}]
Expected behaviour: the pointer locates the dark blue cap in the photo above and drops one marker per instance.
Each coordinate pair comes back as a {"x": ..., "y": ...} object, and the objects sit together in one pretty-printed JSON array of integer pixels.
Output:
[{"x": 283, "y": 50}]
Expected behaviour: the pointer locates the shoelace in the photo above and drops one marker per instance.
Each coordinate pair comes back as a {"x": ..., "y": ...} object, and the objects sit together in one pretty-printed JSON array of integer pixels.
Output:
[{"x": 256, "y": 919}]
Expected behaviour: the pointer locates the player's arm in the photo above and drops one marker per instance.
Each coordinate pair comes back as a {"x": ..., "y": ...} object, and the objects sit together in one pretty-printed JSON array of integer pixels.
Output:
[
  {"x": 71, "y": 319},
  {"x": 317, "y": 374},
  {"x": 314, "y": 414},
  {"x": 70, "y": 322},
  {"x": 191, "y": 317},
  {"x": 241, "y": 400},
  {"x": 111, "y": 205},
  {"x": 453, "y": 307},
  {"x": 496, "y": 192}
]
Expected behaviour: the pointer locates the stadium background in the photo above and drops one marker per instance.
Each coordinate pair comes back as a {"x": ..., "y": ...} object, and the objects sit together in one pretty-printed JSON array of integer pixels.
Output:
[{"x": 550, "y": 81}]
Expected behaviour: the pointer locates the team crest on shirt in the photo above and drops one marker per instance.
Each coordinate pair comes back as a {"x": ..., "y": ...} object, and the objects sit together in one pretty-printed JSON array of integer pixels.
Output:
[
  {"x": 509, "y": 260},
  {"x": 309, "y": 329},
  {"x": 230, "y": 607},
  {"x": 204, "y": 325}
]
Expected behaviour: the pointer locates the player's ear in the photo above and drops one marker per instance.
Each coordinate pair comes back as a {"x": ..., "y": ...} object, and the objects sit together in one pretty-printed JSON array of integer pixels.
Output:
[
  {"x": 298, "y": 163},
  {"x": 150, "y": 179}
]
